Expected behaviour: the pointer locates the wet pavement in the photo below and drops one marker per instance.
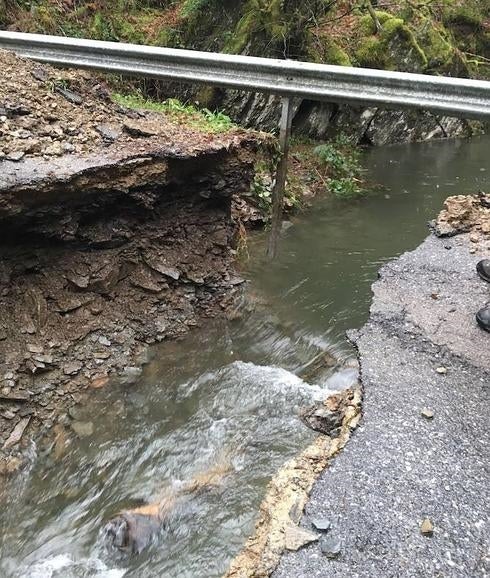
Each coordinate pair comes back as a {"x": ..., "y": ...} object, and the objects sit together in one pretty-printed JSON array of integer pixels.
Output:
[{"x": 420, "y": 350}]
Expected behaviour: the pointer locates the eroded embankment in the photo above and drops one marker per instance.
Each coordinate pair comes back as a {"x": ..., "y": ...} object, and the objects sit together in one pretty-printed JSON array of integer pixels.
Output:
[
  {"x": 105, "y": 250},
  {"x": 277, "y": 528}
]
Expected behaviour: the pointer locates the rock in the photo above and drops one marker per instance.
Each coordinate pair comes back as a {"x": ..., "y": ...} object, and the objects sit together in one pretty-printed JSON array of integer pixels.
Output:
[
  {"x": 144, "y": 280},
  {"x": 296, "y": 537},
  {"x": 79, "y": 281},
  {"x": 321, "y": 524},
  {"x": 75, "y": 412},
  {"x": 16, "y": 396},
  {"x": 32, "y": 348},
  {"x": 161, "y": 267},
  {"x": 330, "y": 546},
  {"x": 138, "y": 129},
  {"x": 104, "y": 341},
  {"x": 83, "y": 429},
  {"x": 441, "y": 370},
  {"x": 320, "y": 418},
  {"x": 70, "y": 96},
  {"x": 427, "y": 527},
  {"x": 131, "y": 375},
  {"x": 99, "y": 382},
  {"x": 54, "y": 149},
  {"x": 72, "y": 368},
  {"x": 427, "y": 413},
  {"x": 16, "y": 156},
  {"x": 108, "y": 132},
  {"x": 17, "y": 433}
]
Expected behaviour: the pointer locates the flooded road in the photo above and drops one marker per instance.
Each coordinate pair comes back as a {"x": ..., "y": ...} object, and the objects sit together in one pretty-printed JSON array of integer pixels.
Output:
[{"x": 230, "y": 391}]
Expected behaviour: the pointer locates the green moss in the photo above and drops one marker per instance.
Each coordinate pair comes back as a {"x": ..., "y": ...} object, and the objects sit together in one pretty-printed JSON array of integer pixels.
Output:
[
  {"x": 436, "y": 45},
  {"x": 394, "y": 47},
  {"x": 325, "y": 50},
  {"x": 371, "y": 53},
  {"x": 366, "y": 24},
  {"x": 467, "y": 16}
]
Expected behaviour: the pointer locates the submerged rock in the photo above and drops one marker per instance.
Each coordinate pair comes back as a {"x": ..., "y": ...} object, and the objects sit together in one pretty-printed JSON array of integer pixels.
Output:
[{"x": 83, "y": 428}]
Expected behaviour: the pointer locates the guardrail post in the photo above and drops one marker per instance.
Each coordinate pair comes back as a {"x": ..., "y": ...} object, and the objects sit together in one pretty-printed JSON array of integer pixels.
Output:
[{"x": 281, "y": 175}]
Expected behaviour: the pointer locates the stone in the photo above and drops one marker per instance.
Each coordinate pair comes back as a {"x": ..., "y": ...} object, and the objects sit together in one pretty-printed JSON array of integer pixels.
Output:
[
  {"x": 427, "y": 527},
  {"x": 75, "y": 412},
  {"x": 70, "y": 96},
  {"x": 17, "y": 433},
  {"x": 17, "y": 396},
  {"x": 72, "y": 368},
  {"x": 296, "y": 537},
  {"x": 79, "y": 281},
  {"x": 99, "y": 382},
  {"x": 321, "y": 524},
  {"x": 427, "y": 413},
  {"x": 321, "y": 419},
  {"x": 330, "y": 546},
  {"x": 34, "y": 348},
  {"x": 104, "y": 341},
  {"x": 108, "y": 132},
  {"x": 138, "y": 129},
  {"x": 131, "y": 375},
  {"x": 441, "y": 370},
  {"x": 16, "y": 156},
  {"x": 83, "y": 428},
  {"x": 163, "y": 268}
]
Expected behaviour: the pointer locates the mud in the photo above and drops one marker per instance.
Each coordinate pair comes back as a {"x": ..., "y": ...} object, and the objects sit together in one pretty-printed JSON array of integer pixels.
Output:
[{"x": 104, "y": 253}]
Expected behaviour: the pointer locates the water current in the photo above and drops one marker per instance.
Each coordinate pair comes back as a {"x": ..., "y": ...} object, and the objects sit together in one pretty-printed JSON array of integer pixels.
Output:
[{"x": 230, "y": 391}]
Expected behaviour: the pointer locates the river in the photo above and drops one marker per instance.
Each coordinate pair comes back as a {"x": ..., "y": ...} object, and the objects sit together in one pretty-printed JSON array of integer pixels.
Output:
[{"x": 230, "y": 392}]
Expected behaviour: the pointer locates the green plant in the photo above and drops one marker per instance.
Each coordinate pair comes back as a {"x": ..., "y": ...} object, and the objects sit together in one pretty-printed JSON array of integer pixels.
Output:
[
  {"x": 340, "y": 159},
  {"x": 203, "y": 119}
]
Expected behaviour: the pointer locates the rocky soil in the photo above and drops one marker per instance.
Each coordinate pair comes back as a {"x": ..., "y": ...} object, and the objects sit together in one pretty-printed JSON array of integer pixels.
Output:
[{"x": 115, "y": 233}]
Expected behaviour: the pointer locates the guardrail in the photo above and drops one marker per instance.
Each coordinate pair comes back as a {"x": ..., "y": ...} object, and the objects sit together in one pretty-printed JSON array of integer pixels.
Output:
[
  {"x": 288, "y": 78},
  {"x": 450, "y": 96}
]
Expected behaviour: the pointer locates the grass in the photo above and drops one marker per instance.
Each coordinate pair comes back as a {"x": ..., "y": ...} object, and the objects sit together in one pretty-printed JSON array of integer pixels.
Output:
[{"x": 202, "y": 119}]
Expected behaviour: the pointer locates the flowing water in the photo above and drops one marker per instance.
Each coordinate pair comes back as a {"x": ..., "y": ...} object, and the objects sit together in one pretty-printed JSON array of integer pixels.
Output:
[{"x": 229, "y": 393}]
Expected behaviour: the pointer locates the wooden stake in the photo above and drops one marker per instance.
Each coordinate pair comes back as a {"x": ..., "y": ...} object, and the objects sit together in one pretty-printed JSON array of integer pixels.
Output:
[{"x": 281, "y": 175}]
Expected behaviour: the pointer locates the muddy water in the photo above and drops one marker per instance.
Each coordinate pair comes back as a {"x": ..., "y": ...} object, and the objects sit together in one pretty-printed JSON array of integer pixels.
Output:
[{"x": 230, "y": 391}]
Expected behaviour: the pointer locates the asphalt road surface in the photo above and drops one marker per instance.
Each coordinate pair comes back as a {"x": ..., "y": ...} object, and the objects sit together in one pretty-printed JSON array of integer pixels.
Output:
[{"x": 421, "y": 349}]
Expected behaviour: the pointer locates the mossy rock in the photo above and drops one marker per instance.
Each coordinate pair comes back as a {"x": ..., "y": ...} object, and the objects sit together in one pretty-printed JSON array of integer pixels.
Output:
[
  {"x": 394, "y": 48},
  {"x": 467, "y": 17},
  {"x": 327, "y": 51},
  {"x": 435, "y": 42}
]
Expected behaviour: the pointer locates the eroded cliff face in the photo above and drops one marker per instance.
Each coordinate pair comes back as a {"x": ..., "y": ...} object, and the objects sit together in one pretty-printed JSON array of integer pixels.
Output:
[{"x": 104, "y": 251}]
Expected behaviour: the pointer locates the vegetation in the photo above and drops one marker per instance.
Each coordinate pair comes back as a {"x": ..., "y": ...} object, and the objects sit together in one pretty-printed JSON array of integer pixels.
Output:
[
  {"x": 449, "y": 37},
  {"x": 202, "y": 119},
  {"x": 339, "y": 162}
]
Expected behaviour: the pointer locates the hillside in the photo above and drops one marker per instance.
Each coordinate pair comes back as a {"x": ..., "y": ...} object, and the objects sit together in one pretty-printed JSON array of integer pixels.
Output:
[{"x": 451, "y": 37}]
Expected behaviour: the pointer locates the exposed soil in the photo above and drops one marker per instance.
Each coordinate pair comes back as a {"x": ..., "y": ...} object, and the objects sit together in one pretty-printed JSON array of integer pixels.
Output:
[
  {"x": 110, "y": 246},
  {"x": 48, "y": 112}
]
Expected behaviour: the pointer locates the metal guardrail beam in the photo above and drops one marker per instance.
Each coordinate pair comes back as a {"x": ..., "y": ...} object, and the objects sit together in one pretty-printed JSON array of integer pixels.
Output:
[{"x": 288, "y": 78}]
